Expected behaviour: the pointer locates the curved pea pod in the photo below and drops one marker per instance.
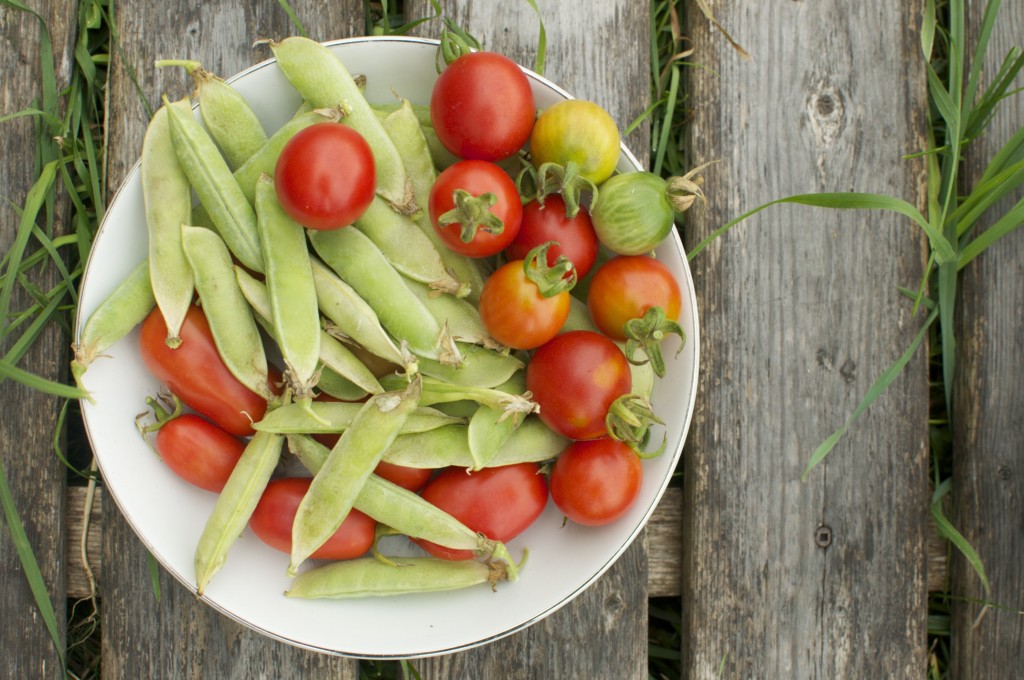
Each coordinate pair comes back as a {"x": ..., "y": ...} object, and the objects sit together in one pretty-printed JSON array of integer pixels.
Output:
[
  {"x": 121, "y": 311},
  {"x": 579, "y": 318},
  {"x": 339, "y": 387},
  {"x": 440, "y": 155},
  {"x": 333, "y": 353},
  {"x": 167, "y": 197},
  {"x": 331, "y": 417},
  {"x": 324, "y": 82},
  {"x": 264, "y": 160},
  {"x": 369, "y": 577},
  {"x": 234, "y": 330},
  {"x": 335, "y": 487},
  {"x": 480, "y": 366},
  {"x": 352, "y": 317},
  {"x": 531, "y": 442},
  {"x": 290, "y": 289},
  {"x": 358, "y": 262},
  {"x": 217, "y": 188},
  {"x": 235, "y": 504},
  {"x": 405, "y": 131},
  {"x": 460, "y": 316}
]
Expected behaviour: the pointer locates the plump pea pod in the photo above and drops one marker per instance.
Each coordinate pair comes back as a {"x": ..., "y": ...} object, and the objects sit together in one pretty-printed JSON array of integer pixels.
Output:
[
  {"x": 290, "y": 290},
  {"x": 167, "y": 196},
  {"x": 480, "y": 366},
  {"x": 405, "y": 131},
  {"x": 324, "y": 82},
  {"x": 329, "y": 417},
  {"x": 369, "y": 577},
  {"x": 333, "y": 353},
  {"x": 460, "y": 316},
  {"x": 532, "y": 442},
  {"x": 235, "y": 504},
  {"x": 217, "y": 188},
  {"x": 234, "y": 330},
  {"x": 510, "y": 398},
  {"x": 121, "y": 311},
  {"x": 339, "y": 387},
  {"x": 579, "y": 318},
  {"x": 265, "y": 159},
  {"x": 359, "y": 449},
  {"x": 441, "y": 156},
  {"x": 358, "y": 262},
  {"x": 407, "y": 247}
]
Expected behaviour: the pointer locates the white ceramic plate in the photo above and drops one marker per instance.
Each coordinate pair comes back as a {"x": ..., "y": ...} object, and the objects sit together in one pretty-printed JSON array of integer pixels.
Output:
[{"x": 169, "y": 515}]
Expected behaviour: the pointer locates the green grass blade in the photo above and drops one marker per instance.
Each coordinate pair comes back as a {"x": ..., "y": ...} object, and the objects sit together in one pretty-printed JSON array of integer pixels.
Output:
[
  {"x": 36, "y": 382},
  {"x": 542, "y": 40},
  {"x": 1003, "y": 226},
  {"x": 666, "y": 124},
  {"x": 985, "y": 194},
  {"x": 928, "y": 29},
  {"x": 293, "y": 17},
  {"x": 880, "y": 386},
  {"x": 950, "y": 533},
  {"x": 947, "y": 303},
  {"x": 988, "y": 19},
  {"x": 1010, "y": 153}
]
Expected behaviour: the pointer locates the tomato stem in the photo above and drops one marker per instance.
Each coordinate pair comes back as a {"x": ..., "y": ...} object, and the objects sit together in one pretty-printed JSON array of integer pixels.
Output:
[
  {"x": 473, "y": 213},
  {"x": 549, "y": 279},
  {"x": 629, "y": 420},
  {"x": 683, "y": 191},
  {"x": 455, "y": 41},
  {"x": 644, "y": 336},
  {"x": 551, "y": 178}
]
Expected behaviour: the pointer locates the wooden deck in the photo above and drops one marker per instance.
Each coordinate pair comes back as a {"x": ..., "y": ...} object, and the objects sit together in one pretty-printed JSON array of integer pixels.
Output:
[{"x": 778, "y": 577}]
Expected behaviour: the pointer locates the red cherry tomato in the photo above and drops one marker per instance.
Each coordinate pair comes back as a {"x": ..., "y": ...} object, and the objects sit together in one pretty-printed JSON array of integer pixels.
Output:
[
  {"x": 625, "y": 287},
  {"x": 325, "y": 177},
  {"x": 195, "y": 373},
  {"x": 575, "y": 236},
  {"x": 409, "y": 478},
  {"x": 198, "y": 451},
  {"x": 272, "y": 519},
  {"x": 482, "y": 107},
  {"x": 499, "y": 502},
  {"x": 574, "y": 378},
  {"x": 515, "y": 313},
  {"x": 595, "y": 482},
  {"x": 479, "y": 179}
]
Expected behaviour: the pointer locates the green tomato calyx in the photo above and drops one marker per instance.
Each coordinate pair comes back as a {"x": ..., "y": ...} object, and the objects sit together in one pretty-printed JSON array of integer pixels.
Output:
[
  {"x": 629, "y": 421},
  {"x": 549, "y": 279},
  {"x": 455, "y": 41},
  {"x": 536, "y": 184},
  {"x": 473, "y": 213},
  {"x": 683, "y": 191},
  {"x": 644, "y": 336}
]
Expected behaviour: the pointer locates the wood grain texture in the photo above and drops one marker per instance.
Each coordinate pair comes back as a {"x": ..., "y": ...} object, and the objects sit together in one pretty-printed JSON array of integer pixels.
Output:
[
  {"x": 178, "y": 636},
  {"x": 988, "y": 473},
  {"x": 603, "y": 632},
  {"x": 800, "y": 314},
  {"x": 34, "y": 473}
]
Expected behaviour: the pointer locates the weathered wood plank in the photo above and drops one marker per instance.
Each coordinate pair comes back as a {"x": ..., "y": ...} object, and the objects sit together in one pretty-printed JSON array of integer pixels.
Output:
[
  {"x": 178, "y": 636},
  {"x": 988, "y": 473},
  {"x": 603, "y": 632},
  {"x": 36, "y": 477},
  {"x": 801, "y": 313}
]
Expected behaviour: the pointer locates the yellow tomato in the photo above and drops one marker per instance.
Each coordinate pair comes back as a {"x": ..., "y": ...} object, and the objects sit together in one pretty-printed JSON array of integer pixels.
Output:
[{"x": 580, "y": 131}]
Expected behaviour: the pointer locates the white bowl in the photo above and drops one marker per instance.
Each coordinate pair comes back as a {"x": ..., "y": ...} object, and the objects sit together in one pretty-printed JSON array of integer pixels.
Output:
[{"x": 169, "y": 515}]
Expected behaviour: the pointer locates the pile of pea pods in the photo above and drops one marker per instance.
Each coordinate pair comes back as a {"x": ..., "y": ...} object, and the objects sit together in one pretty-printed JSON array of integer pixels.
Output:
[{"x": 321, "y": 301}]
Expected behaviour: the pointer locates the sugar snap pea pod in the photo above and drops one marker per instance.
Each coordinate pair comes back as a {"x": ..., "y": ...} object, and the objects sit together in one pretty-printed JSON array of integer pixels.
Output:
[
  {"x": 328, "y": 417},
  {"x": 441, "y": 156},
  {"x": 510, "y": 400},
  {"x": 369, "y": 577},
  {"x": 217, "y": 188},
  {"x": 492, "y": 425},
  {"x": 333, "y": 353},
  {"x": 359, "y": 449},
  {"x": 324, "y": 82},
  {"x": 352, "y": 317},
  {"x": 339, "y": 387},
  {"x": 234, "y": 330},
  {"x": 407, "y": 135},
  {"x": 407, "y": 247},
  {"x": 264, "y": 159},
  {"x": 167, "y": 196},
  {"x": 359, "y": 263},
  {"x": 480, "y": 366},
  {"x": 235, "y": 504},
  {"x": 290, "y": 289},
  {"x": 121, "y": 311},
  {"x": 460, "y": 316}
]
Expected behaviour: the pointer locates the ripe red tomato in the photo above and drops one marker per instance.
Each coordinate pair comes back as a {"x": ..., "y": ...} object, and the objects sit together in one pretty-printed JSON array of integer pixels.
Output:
[
  {"x": 575, "y": 236},
  {"x": 595, "y": 482},
  {"x": 198, "y": 451},
  {"x": 409, "y": 478},
  {"x": 625, "y": 287},
  {"x": 325, "y": 177},
  {"x": 574, "y": 378},
  {"x": 486, "y": 221},
  {"x": 514, "y": 311},
  {"x": 195, "y": 373},
  {"x": 499, "y": 502},
  {"x": 482, "y": 107},
  {"x": 272, "y": 520}
]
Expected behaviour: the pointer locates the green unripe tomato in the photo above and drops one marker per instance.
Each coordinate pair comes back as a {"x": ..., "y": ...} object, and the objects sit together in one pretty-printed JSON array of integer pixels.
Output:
[{"x": 633, "y": 213}]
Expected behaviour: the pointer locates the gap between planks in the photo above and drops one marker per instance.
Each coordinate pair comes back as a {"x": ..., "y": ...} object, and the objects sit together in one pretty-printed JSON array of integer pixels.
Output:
[{"x": 664, "y": 539}]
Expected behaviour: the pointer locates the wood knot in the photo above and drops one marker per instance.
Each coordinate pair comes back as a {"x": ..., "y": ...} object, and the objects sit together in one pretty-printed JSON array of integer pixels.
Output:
[
  {"x": 827, "y": 113},
  {"x": 823, "y": 536}
]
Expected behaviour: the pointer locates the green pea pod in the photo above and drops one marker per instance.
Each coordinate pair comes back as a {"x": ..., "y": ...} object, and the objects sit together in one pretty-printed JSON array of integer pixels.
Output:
[
  {"x": 460, "y": 316},
  {"x": 167, "y": 196},
  {"x": 330, "y": 417},
  {"x": 333, "y": 353},
  {"x": 338, "y": 386},
  {"x": 290, "y": 290},
  {"x": 369, "y": 577},
  {"x": 235, "y": 504},
  {"x": 579, "y": 318},
  {"x": 324, "y": 82},
  {"x": 234, "y": 330},
  {"x": 121, "y": 311},
  {"x": 217, "y": 188},
  {"x": 480, "y": 367},
  {"x": 440, "y": 155},
  {"x": 405, "y": 131},
  {"x": 351, "y": 461},
  {"x": 359, "y": 263}
]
